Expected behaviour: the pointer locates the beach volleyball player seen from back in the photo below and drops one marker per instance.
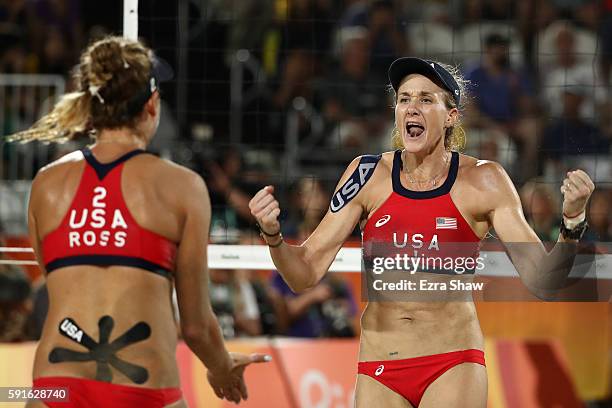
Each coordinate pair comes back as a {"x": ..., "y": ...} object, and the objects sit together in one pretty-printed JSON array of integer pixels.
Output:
[
  {"x": 114, "y": 229},
  {"x": 426, "y": 352}
]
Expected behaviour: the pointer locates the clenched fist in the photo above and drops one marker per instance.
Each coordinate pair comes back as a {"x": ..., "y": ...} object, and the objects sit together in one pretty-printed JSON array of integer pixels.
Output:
[
  {"x": 265, "y": 208},
  {"x": 577, "y": 188}
]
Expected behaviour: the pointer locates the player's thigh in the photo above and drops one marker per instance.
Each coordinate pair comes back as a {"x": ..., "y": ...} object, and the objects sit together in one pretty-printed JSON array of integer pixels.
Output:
[
  {"x": 463, "y": 386},
  {"x": 370, "y": 393}
]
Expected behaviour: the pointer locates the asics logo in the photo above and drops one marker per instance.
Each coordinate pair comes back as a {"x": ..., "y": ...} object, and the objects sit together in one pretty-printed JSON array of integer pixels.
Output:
[
  {"x": 385, "y": 219},
  {"x": 379, "y": 370}
]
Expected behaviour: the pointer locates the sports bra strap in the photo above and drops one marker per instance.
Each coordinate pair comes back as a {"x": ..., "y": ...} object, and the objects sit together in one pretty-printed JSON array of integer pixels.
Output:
[{"x": 102, "y": 169}]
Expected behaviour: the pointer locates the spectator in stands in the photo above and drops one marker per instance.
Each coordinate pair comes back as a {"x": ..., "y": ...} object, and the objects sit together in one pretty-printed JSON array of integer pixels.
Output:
[
  {"x": 14, "y": 300},
  {"x": 583, "y": 11},
  {"x": 568, "y": 70},
  {"x": 231, "y": 188},
  {"x": 16, "y": 23},
  {"x": 14, "y": 57},
  {"x": 533, "y": 17},
  {"x": 491, "y": 144},
  {"x": 501, "y": 92},
  {"x": 600, "y": 216},
  {"x": 303, "y": 311},
  {"x": 306, "y": 36},
  {"x": 233, "y": 300},
  {"x": 605, "y": 41},
  {"x": 272, "y": 307},
  {"x": 387, "y": 41},
  {"x": 499, "y": 10},
  {"x": 244, "y": 32},
  {"x": 351, "y": 98},
  {"x": 58, "y": 34},
  {"x": 14, "y": 303},
  {"x": 323, "y": 311},
  {"x": 355, "y": 14},
  {"x": 570, "y": 134},
  {"x": 469, "y": 12},
  {"x": 540, "y": 208},
  {"x": 13, "y": 14},
  {"x": 309, "y": 205},
  {"x": 57, "y": 56},
  {"x": 503, "y": 98}
]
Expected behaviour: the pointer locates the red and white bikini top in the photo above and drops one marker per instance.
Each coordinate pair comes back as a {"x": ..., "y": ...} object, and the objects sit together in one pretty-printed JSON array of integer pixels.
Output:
[
  {"x": 420, "y": 222},
  {"x": 98, "y": 228}
]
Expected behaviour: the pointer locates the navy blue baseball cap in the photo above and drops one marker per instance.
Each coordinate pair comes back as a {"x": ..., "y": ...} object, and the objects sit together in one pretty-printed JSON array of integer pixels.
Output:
[
  {"x": 431, "y": 69},
  {"x": 161, "y": 70}
]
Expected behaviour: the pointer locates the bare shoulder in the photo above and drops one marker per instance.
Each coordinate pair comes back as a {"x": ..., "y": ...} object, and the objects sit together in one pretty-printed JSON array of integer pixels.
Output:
[
  {"x": 483, "y": 186},
  {"x": 62, "y": 164},
  {"x": 57, "y": 172},
  {"x": 387, "y": 163},
  {"x": 173, "y": 179},
  {"x": 486, "y": 177}
]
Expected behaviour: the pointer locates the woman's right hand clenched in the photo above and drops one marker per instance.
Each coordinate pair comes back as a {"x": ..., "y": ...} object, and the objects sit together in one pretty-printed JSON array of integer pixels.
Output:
[{"x": 265, "y": 208}]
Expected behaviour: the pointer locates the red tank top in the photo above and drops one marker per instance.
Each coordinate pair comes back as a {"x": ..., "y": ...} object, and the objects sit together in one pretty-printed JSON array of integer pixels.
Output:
[
  {"x": 420, "y": 223},
  {"x": 98, "y": 228}
]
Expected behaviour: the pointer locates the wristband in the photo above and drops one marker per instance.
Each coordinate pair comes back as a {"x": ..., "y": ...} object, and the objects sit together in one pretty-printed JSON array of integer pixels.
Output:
[
  {"x": 575, "y": 233},
  {"x": 262, "y": 232},
  {"x": 573, "y": 222},
  {"x": 280, "y": 242}
]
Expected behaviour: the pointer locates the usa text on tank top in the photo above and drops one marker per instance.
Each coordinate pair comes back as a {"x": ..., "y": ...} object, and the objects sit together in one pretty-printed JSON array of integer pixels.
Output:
[
  {"x": 98, "y": 228},
  {"x": 422, "y": 224}
]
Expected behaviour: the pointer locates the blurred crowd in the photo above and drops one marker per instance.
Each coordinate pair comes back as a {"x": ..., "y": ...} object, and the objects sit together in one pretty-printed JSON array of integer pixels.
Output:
[{"x": 539, "y": 102}]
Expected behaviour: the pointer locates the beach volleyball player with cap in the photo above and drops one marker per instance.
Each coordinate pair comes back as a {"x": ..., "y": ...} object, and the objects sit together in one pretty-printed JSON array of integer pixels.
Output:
[
  {"x": 430, "y": 353},
  {"x": 114, "y": 232}
]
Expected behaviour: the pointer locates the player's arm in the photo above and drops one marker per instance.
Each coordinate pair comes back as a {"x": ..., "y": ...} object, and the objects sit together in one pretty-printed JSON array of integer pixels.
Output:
[
  {"x": 33, "y": 203},
  {"x": 542, "y": 272},
  {"x": 302, "y": 266},
  {"x": 198, "y": 323}
]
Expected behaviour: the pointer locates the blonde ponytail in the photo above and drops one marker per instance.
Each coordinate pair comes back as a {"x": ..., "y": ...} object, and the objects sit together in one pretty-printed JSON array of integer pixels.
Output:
[
  {"x": 69, "y": 117},
  {"x": 110, "y": 73}
]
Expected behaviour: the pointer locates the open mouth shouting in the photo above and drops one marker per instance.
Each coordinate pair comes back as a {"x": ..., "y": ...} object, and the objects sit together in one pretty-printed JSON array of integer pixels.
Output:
[{"x": 414, "y": 129}]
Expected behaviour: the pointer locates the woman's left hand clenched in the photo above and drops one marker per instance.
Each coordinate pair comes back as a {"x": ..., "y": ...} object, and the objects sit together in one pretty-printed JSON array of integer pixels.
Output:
[{"x": 577, "y": 188}]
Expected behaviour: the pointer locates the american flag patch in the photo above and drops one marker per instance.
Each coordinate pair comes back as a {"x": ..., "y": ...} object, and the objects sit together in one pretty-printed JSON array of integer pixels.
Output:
[{"x": 446, "y": 223}]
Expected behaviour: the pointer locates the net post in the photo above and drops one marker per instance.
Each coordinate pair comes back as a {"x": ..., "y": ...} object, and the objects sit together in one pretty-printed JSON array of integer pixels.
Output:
[{"x": 130, "y": 19}]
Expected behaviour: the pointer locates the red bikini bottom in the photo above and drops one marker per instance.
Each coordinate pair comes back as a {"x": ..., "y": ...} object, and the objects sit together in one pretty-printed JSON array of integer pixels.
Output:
[
  {"x": 86, "y": 393},
  {"x": 411, "y": 377}
]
